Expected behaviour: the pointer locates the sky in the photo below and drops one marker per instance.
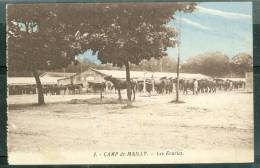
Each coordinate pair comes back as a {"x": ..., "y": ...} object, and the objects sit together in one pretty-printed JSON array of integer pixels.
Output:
[{"x": 213, "y": 26}]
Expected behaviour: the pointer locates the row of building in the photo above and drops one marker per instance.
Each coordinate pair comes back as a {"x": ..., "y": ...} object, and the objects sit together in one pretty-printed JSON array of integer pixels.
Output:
[
  {"x": 97, "y": 76},
  {"x": 94, "y": 75}
]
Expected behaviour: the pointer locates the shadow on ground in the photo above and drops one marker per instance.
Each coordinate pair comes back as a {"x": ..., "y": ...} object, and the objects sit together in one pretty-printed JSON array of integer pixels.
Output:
[{"x": 97, "y": 101}]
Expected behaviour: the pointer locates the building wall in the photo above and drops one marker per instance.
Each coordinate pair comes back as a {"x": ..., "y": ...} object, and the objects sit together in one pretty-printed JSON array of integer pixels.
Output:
[
  {"x": 87, "y": 76},
  {"x": 249, "y": 81},
  {"x": 66, "y": 81}
]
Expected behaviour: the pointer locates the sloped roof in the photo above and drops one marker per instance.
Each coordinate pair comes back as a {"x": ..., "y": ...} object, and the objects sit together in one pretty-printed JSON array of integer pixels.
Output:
[
  {"x": 147, "y": 74},
  {"x": 57, "y": 74},
  {"x": 31, "y": 80},
  {"x": 233, "y": 79}
]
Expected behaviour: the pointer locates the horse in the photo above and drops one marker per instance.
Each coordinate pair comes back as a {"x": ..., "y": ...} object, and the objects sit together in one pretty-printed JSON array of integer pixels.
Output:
[
  {"x": 121, "y": 84},
  {"x": 226, "y": 85},
  {"x": 97, "y": 86},
  {"x": 160, "y": 85},
  {"x": 148, "y": 86},
  {"x": 219, "y": 83},
  {"x": 207, "y": 86},
  {"x": 238, "y": 84},
  {"x": 169, "y": 85},
  {"x": 212, "y": 87},
  {"x": 203, "y": 86},
  {"x": 187, "y": 84},
  {"x": 62, "y": 89}
]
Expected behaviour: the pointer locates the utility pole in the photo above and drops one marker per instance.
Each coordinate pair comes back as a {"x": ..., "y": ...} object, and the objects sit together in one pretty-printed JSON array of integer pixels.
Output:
[
  {"x": 64, "y": 72},
  {"x": 161, "y": 64},
  {"x": 144, "y": 83},
  {"x": 178, "y": 62},
  {"x": 178, "y": 73}
]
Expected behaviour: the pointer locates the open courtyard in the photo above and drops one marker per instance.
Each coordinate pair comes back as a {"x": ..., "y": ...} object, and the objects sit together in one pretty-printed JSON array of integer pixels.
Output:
[{"x": 70, "y": 128}]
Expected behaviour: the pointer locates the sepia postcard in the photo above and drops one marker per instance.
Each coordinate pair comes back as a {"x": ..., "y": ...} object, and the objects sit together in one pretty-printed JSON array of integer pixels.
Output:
[{"x": 130, "y": 83}]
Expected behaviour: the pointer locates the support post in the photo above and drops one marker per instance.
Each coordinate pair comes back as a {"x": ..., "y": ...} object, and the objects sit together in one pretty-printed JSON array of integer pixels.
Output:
[
  {"x": 153, "y": 86},
  {"x": 144, "y": 87},
  {"x": 178, "y": 69},
  {"x": 106, "y": 91}
]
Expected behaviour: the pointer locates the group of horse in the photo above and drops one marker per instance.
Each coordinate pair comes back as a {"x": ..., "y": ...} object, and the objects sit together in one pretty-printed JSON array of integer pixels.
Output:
[
  {"x": 46, "y": 89},
  {"x": 168, "y": 85},
  {"x": 161, "y": 86},
  {"x": 62, "y": 89},
  {"x": 20, "y": 90}
]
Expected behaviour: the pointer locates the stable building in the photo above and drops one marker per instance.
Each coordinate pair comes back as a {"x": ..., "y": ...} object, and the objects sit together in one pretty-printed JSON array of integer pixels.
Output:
[
  {"x": 27, "y": 85},
  {"x": 95, "y": 76},
  {"x": 85, "y": 79},
  {"x": 56, "y": 74}
]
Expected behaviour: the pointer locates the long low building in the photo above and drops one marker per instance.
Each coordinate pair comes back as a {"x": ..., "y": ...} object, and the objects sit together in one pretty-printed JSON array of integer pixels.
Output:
[
  {"x": 147, "y": 74},
  {"x": 47, "y": 78},
  {"x": 52, "y": 78},
  {"x": 234, "y": 79},
  {"x": 31, "y": 80},
  {"x": 27, "y": 85},
  {"x": 95, "y": 75}
]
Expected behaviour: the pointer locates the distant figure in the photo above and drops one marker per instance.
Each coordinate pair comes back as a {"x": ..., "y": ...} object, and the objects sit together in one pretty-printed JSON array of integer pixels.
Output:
[
  {"x": 195, "y": 85},
  {"x": 231, "y": 85}
]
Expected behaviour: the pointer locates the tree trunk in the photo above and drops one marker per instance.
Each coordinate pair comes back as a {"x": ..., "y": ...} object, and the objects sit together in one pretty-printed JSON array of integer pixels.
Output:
[
  {"x": 128, "y": 82},
  {"x": 39, "y": 88}
]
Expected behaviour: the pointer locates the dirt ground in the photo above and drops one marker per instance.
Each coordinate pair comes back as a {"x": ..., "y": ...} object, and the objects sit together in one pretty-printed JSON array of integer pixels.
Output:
[{"x": 206, "y": 128}]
